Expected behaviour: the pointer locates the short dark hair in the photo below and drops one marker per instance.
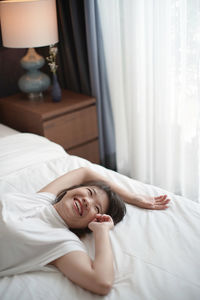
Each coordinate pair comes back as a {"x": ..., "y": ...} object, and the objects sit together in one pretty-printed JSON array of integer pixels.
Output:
[{"x": 116, "y": 208}]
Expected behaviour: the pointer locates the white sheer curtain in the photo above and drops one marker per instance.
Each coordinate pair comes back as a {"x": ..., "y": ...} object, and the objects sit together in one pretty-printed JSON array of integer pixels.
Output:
[{"x": 152, "y": 50}]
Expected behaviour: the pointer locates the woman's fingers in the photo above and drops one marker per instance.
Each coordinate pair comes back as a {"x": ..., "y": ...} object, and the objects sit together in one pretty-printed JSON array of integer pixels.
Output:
[
  {"x": 162, "y": 205},
  {"x": 101, "y": 221},
  {"x": 103, "y": 218},
  {"x": 162, "y": 197},
  {"x": 162, "y": 202}
]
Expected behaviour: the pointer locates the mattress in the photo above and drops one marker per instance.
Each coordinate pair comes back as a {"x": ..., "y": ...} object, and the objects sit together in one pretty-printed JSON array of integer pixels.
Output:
[
  {"x": 156, "y": 253},
  {"x": 5, "y": 131}
]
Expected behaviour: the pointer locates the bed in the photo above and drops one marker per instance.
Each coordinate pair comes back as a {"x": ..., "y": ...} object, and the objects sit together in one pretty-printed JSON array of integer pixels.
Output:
[{"x": 156, "y": 253}]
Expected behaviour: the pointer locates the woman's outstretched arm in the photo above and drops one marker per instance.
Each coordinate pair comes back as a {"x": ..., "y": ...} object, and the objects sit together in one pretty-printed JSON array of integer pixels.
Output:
[
  {"x": 96, "y": 276},
  {"x": 82, "y": 175}
]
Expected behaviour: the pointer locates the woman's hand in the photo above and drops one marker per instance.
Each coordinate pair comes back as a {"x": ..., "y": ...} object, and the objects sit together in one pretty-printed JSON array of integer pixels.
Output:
[
  {"x": 101, "y": 222},
  {"x": 144, "y": 201}
]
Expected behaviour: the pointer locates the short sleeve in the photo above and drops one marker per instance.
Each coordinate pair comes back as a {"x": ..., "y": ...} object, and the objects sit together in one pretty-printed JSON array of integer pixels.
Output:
[
  {"x": 46, "y": 196},
  {"x": 63, "y": 249}
]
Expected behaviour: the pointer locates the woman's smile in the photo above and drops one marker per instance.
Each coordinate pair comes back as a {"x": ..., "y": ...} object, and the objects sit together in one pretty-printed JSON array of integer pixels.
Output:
[{"x": 78, "y": 206}]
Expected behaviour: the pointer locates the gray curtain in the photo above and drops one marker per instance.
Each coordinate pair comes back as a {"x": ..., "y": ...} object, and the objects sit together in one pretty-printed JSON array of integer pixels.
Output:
[
  {"x": 83, "y": 69},
  {"x": 99, "y": 83}
]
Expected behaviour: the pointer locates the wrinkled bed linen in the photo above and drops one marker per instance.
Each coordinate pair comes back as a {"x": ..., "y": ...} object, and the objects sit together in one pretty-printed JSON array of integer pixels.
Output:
[{"x": 156, "y": 253}]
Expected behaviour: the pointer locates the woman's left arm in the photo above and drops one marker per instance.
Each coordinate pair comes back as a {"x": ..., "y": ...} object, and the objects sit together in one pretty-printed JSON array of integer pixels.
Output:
[
  {"x": 95, "y": 275},
  {"x": 83, "y": 175}
]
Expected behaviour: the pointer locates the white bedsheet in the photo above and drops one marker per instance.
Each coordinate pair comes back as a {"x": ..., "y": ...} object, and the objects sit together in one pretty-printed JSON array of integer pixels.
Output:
[
  {"x": 157, "y": 253},
  {"x": 5, "y": 131}
]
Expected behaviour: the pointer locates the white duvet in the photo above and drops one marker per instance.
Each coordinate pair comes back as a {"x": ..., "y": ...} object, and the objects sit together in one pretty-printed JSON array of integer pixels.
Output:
[{"x": 157, "y": 253}]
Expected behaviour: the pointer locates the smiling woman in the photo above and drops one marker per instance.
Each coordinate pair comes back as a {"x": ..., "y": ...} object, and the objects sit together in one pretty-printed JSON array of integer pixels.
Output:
[
  {"x": 78, "y": 200},
  {"x": 38, "y": 227}
]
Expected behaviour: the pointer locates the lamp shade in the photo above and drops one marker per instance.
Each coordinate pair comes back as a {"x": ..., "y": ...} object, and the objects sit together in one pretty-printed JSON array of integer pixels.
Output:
[{"x": 28, "y": 23}]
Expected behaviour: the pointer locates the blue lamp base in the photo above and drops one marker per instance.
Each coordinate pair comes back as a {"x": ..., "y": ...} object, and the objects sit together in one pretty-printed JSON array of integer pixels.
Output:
[{"x": 33, "y": 82}]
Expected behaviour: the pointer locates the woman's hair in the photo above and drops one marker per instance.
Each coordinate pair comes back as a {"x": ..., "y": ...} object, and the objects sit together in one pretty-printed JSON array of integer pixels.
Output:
[{"x": 116, "y": 207}]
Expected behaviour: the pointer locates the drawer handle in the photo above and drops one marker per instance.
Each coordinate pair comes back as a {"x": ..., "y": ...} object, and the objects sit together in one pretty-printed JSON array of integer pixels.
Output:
[{"x": 50, "y": 125}]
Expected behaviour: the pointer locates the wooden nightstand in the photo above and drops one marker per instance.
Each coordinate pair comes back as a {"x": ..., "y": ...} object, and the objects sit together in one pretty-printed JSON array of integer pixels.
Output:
[{"x": 72, "y": 123}]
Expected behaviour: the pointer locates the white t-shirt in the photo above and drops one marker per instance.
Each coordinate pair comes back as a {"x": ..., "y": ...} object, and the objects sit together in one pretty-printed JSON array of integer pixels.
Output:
[{"x": 32, "y": 233}]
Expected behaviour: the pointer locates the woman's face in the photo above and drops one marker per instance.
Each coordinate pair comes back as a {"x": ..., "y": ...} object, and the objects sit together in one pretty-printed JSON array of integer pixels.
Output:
[{"x": 80, "y": 206}]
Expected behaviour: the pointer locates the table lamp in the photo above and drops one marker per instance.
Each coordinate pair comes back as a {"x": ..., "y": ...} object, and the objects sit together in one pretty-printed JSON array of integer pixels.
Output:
[{"x": 30, "y": 24}]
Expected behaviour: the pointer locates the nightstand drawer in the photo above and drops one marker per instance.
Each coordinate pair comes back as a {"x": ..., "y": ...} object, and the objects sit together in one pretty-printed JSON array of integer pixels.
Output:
[
  {"x": 74, "y": 128},
  {"x": 72, "y": 122},
  {"x": 88, "y": 151}
]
